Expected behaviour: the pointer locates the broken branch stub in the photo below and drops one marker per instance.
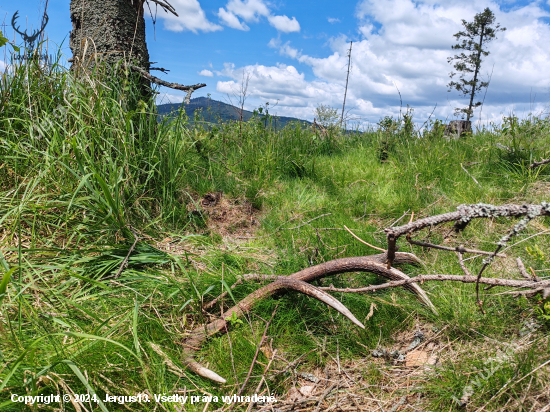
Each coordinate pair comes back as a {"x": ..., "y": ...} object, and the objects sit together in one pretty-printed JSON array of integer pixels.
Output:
[
  {"x": 189, "y": 89},
  {"x": 166, "y": 6},
  {"x": 537, "y": 164}
]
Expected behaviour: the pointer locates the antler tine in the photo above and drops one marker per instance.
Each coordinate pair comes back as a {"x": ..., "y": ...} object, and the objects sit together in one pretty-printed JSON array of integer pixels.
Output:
[
  {"x": 310, "y": 290},
  {"x": 13, "y": 20},
  {"x": 199, "y": 334},
  {"x": 202, "y": 371}
]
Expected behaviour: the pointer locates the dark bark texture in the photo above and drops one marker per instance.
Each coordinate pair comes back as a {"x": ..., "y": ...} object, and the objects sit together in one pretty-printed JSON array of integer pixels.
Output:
[{"x": 109, "y": 31}]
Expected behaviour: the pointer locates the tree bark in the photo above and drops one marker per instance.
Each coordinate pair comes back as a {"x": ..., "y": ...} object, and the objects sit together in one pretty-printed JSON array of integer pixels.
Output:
[
  {"x": 457, "y": 128},
  {"x": 108, "y": 31}
]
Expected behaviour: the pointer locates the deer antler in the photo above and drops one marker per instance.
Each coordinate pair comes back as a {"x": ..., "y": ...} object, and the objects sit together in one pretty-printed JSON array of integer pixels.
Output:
[
  {"x": 298, "y": 281},
  {"x": 26, "y": 38},
  {"x": 381, "y": 264},
  {"x": 283, "y": 282}
]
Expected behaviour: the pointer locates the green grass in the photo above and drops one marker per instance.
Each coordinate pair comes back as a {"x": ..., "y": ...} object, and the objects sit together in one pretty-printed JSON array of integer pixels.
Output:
[{"x": 85, "y": 167}]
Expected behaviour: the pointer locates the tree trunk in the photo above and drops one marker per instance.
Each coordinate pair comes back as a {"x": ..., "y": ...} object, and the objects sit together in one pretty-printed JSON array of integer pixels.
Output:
[
  {"x": 109, "y": 31},
  {"x": 458, "y": 128}
]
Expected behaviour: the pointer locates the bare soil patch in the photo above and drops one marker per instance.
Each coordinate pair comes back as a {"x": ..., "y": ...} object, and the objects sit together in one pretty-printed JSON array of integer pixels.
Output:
[{"x": 231, "y": 218}]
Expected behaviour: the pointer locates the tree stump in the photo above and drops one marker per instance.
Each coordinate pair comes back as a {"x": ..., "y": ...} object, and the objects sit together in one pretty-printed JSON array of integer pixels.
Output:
[{"x": 458, "y": 128}]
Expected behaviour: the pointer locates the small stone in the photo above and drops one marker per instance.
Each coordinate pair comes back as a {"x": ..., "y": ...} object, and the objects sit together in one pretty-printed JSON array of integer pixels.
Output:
[
  {"x": 307, "y": 390},
  {"x": 294, "y": 394},
  {"x": 416, "y": 358},
  {"x": 309, "y": 376}
]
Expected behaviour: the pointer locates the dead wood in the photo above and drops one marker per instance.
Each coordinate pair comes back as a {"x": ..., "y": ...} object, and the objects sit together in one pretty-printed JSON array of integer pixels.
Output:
[
  {"x": 533, "y": 287},
  {"x": 177, "y": 86},
  {"x": 460, "y": 249},
  {"x": 521, "y": 268},
  {"x": 166, "y": 6},
  {"x": 381, "y": 264},
  {"x": 537, "y": 164},
  {"x": 462, "y": 217}
]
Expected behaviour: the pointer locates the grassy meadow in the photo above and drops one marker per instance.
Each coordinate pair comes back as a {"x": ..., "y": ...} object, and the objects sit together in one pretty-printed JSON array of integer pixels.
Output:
[{"x": 117, "y": 227}]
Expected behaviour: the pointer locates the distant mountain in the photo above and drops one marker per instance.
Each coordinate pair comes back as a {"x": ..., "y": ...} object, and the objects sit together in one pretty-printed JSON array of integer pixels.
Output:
[{"x": 217, "y": 110}]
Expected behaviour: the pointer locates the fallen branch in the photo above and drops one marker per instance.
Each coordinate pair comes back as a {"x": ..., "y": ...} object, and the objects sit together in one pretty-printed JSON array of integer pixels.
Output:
[
  {"x": 521, "y": 269},
  {"x": 537, "y": 164},
  {"x": 380, "y": 264},
  {"x": 510, "y": 283},
  {"x": 462, "y": 217},
  {"x": 459, "y": 249},
  {"x": 478, "y": 277}
]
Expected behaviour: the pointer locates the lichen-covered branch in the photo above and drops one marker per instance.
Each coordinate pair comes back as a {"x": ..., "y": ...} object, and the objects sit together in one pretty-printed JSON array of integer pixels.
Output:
[
  {"x": 511, "y": 283},
  {"x": 463, "y": 216},
  {"x": 380, "y": 264},
  {"x": 537, "y": 164}
]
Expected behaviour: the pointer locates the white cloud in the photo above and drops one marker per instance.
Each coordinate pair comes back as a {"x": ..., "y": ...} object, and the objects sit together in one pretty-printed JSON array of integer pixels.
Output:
[
  {"x": 230, "y": 20},
  {"x": 274, "y": 43},
  {"x": 282, "y": 85},
  {"x": 287, "y": 50},
  {"x": 248, "y": 10},
  {"x": 251, "y": 11},
  {"x": 333, "y": 20},
  {"x": 191, "y": 17},
  {"x": 404, "y": 44},
  {"x": 206, "y": 73},
  {"x": 284, "y": 24},
  {"x": 2, "y": 66},
  {"x": 284, "y": 49}
]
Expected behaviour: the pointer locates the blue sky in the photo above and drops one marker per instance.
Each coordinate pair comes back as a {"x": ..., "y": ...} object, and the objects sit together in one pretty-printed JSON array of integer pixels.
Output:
[{"x": 294, "y": 53}]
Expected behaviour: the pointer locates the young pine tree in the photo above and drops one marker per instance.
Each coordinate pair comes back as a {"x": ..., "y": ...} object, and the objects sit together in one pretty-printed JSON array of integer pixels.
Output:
[{"x": 475, "y": 37}]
